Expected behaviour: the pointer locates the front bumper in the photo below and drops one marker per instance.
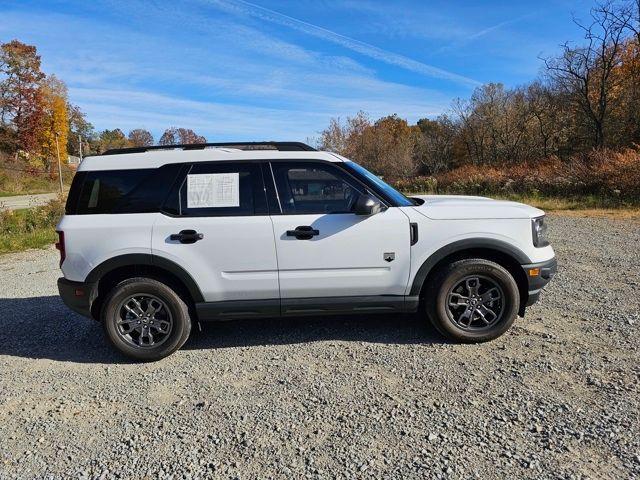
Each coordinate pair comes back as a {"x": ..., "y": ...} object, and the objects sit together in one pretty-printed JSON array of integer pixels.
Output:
[
  {"x": 78, "y": 296},
  {"x": 538, "y": 275}
]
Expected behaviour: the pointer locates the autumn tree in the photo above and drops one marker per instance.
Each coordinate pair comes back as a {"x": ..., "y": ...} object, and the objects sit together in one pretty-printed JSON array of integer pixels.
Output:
[
  {"x": 385, "y": 147},
  {"x": 390, "y": 147},
  {"x": 55, "y": 127},
  {"x": 346, "y": 139},
  {"x": 80, "y": 130},
  {"x": 626, "y": 109},
  {"x": 140, "y": 138},
  {"x": 436, "y": 144},
  {"x": 109, "y": 139},
  {"x": 180, "y": 136},
  {"x": 21, "y": 102}
]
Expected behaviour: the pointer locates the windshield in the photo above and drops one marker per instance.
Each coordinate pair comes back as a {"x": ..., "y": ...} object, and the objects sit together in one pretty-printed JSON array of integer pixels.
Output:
[{"x": 399, "y": 199}]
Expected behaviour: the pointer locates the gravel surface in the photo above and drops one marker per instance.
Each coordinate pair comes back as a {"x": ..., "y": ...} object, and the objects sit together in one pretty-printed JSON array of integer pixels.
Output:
[{"x": 555, "y": 397}]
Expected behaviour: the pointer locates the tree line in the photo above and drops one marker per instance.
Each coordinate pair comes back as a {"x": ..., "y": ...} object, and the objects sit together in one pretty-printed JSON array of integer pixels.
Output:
[
  {"x": 38, "y": 122},
  {"x": 588, "y": 97}
]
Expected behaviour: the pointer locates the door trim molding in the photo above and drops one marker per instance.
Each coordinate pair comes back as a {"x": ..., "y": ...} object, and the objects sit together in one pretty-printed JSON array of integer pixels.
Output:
[
  {"x": 299, "y": 307},
  {"x": 232, "y": 309}
]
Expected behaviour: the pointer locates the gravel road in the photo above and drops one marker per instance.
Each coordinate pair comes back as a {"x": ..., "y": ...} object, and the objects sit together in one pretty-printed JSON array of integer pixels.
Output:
[
  {"x": 26, "y": 201},
  {"x": 556, "y": 397}
]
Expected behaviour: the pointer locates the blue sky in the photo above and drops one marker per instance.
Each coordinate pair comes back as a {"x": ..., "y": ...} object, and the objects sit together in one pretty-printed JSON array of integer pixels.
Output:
[{"x": 275, "y": 69}]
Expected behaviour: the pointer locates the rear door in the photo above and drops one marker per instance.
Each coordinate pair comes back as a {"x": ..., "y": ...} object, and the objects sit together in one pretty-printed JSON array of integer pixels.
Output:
[
  {"x": 351, "y": 255},
  {"x": 215, "y": 224}
]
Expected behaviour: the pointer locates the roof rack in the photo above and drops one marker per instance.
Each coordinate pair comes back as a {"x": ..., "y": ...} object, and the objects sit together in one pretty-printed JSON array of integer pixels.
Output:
[{"x": 280, "y": 146}]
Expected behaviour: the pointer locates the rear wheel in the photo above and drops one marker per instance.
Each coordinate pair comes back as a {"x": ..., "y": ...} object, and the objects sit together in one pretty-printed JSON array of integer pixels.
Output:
[
  {"x": 473, "y": 300},
  {"x": 145, "y": 319}
]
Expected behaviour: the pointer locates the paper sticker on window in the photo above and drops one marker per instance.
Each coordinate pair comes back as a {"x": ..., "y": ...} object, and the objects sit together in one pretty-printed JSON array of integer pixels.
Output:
[{"x": 213, "y": 190}]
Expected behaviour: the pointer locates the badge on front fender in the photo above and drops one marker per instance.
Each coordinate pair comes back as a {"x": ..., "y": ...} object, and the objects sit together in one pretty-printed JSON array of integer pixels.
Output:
[{"x": 389, "y": 256}]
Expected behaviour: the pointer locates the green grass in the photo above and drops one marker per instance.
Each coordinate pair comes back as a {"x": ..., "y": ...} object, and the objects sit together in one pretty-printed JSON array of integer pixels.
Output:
[
  {"x": 39, "y": 238},
  {"x": 26, "y": 185},
  {"x": 23, "y": 183},
  {"x": 30, "y": 227}
]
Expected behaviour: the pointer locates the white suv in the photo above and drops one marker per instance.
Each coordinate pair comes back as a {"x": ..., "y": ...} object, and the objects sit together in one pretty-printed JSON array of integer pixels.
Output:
[{"x": 156, "y": 238}]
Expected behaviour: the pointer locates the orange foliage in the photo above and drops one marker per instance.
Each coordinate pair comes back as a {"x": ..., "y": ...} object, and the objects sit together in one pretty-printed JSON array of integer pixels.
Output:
[{"x": 599, "y": 172}]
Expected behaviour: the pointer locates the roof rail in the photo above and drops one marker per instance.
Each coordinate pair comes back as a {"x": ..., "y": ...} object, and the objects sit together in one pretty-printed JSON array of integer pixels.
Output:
[{"x": 280, "y": 146}]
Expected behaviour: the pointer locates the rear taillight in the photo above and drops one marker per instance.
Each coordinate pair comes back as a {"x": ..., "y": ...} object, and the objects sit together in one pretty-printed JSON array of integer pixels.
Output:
[{"x": 60, "y": 246}]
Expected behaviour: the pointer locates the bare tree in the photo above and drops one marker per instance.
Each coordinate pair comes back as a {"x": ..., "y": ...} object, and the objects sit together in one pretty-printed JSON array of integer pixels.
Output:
[
  {"x": 628, "y": 8},
  {"x": 334, "y": 137},
  {"x": 434, "y": 149},
  {"x": 585, "y": 73}
]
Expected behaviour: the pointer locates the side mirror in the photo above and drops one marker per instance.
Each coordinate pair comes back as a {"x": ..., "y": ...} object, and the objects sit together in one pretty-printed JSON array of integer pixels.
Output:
[{"x": 367, "y": 205}]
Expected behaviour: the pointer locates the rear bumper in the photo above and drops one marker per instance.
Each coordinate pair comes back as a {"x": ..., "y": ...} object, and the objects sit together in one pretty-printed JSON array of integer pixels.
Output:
[
  {"x": 78, "y": 296},
  {"x": 538, "y": 276}
]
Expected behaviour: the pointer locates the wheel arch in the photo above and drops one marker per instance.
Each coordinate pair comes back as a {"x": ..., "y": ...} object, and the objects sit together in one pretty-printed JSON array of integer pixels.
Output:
[
  {"x": 502, "y": 253},
  {"x": 110, "y": 272}
]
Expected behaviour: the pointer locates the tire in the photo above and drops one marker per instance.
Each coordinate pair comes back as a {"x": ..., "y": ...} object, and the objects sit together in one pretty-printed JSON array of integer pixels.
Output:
[
  {"x": 154, "y": 328},
  {"x": 476, "y": 292}
]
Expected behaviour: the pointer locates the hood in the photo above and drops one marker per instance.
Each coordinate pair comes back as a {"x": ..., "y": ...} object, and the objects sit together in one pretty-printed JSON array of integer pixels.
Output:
[{"x": 460, "y": 207}]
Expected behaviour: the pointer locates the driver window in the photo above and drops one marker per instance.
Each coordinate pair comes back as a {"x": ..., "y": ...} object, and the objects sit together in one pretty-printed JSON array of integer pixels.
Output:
[{"x": 313, "y": 188}]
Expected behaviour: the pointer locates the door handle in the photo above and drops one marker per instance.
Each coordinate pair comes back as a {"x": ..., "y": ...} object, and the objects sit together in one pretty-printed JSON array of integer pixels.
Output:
[
  {"x": 303, "y": 232},
  {"x": 413, "y": 230},
  {"x": 187, "y": 236}
]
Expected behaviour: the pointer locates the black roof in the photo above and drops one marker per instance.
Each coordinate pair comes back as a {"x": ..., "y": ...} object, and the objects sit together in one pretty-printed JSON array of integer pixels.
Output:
[{"x": 280, "y": 146}]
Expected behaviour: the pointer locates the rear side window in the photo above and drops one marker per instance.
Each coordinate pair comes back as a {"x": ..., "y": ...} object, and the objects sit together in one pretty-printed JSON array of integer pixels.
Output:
[
  {"x": 103, "y": 191},
  {"x": 74, "y": 193},
  {"x": 121, "y": 191},
  {"x": 149, "y": 194}
]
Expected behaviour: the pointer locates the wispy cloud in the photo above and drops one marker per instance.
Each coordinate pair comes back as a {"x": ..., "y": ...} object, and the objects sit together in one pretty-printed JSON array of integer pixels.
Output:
[
  {"x": 128, "y": 109},
  {"x": 497, "y": 26},
  {"x": 245, "y": 8},
  {"x": 460, "y": 42},
  {"x": 226, "y": 79}
]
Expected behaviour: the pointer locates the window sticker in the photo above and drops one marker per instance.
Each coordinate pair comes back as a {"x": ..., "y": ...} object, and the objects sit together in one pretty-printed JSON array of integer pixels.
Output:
[{"x": 213, "y": 190}]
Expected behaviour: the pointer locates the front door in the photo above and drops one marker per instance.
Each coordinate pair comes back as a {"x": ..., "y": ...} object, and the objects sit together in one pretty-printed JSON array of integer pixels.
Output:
[{"x": 341, "y": 254}]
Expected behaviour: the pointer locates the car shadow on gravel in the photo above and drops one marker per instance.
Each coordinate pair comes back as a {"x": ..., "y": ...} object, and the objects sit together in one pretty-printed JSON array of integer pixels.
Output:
[
  {"x": 379, "y": 328},
  {"x": 44, "y": 328}
]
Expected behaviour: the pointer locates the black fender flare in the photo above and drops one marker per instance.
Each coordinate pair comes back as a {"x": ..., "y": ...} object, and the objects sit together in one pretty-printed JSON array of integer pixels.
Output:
[
  {"x": 460, "y": 245},
  {"x": 147, "y": 259}
]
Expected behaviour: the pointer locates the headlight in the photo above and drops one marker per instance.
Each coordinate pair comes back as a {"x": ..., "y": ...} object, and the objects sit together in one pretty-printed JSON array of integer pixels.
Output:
[{"x": 539, "y": 229}]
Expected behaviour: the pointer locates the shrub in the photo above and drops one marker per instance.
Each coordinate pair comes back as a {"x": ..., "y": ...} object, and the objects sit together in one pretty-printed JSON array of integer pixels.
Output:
[
  {"x": 417, "y": 185},
  {"x": 27, "y": 221},
  {"x": 605, "y": 173}
]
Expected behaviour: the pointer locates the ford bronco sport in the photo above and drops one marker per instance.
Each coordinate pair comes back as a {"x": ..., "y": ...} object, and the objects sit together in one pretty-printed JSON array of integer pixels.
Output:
[{"x": 156, "y": 238}]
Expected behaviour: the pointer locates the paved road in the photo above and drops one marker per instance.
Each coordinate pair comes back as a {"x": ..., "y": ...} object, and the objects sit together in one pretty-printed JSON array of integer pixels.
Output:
[{"x": 26, "y": 201}]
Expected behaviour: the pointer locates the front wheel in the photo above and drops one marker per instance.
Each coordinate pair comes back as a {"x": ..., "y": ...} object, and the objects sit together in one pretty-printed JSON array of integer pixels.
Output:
[
  {"x": 145, "y": 319},
  {"x": 473, "y": 300}
]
